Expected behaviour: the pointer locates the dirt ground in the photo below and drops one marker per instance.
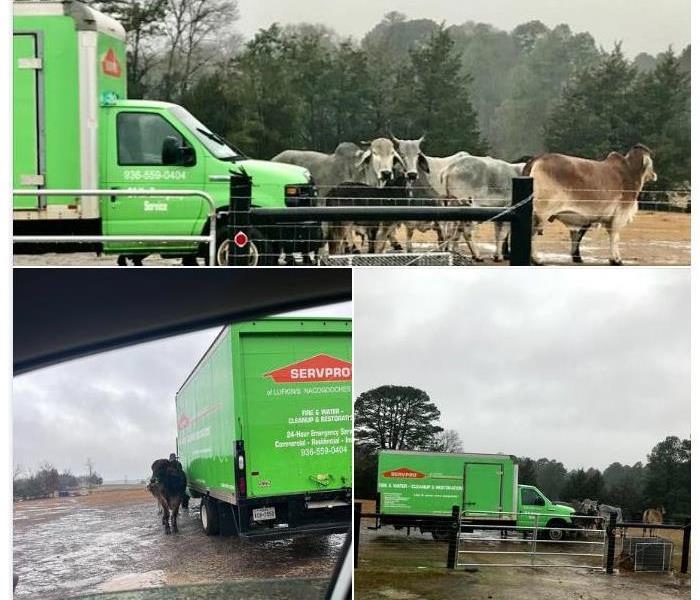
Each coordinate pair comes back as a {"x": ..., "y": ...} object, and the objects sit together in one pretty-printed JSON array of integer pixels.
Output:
[
  {"x": 394, "y": 565},
  {"x": 113, "y": 540},
  {"x": 653, "y": 238}
]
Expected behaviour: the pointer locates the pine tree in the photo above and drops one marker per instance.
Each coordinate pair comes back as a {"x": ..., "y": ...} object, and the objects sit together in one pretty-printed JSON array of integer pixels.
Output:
[
  {"x": 433, "y": 97},
  {"x": 596, "y": 113}
]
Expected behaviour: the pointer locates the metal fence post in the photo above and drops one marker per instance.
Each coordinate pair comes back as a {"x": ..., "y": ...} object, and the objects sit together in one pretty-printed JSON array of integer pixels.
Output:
[
  {"x": 240, "y": 192},
  {"x": 521, "y": 223},
  {"x": 686, "y": 547},
  {"x": 357, "y": 517},
  {"x": 610, "y": 559},
  {"x": 454, "y": 539}
]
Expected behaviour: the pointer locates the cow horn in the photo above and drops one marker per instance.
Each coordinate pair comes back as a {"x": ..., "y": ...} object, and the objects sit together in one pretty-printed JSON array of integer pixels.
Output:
[
  {"x": 422, "y": 138},
  {"x": 393, "y": 138}
]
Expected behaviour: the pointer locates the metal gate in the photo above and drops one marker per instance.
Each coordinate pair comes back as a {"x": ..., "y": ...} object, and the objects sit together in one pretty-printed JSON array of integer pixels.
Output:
[{"x": 484, "y": 542}]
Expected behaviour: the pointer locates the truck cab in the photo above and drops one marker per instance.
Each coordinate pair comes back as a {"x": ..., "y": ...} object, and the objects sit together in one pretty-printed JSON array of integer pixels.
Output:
[
  {"x": 536, "y": 510},
  {"x": 76, "y": 129}
]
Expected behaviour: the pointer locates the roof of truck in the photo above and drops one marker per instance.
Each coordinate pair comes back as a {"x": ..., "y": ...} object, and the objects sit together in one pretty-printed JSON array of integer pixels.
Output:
[
  {"x": 85, "y": 17},
  {"x": 456, "y": 454},
  {"x": 244, "y": 325}
]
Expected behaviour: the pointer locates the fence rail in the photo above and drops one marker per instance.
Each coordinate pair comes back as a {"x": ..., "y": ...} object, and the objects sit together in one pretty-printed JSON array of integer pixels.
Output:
[
  {"x": 244, "y": 217},
  {"x": 456, "y": 530},
  {"x": 210, "y": 239}
]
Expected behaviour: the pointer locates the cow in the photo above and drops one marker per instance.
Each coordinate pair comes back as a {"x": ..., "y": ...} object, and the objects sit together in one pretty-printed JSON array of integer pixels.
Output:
[
  {"x": 481, "y": 181},
  {"x": 379, "y": 165},
  {"x": 582, "y": 193},
  {"x": 424, "y": 176},
  {"x": 652, "y": 516},
  {"x": 327, "y": 170},
  {"x": 463, "y": 179},
  {"x": 168, "y": 485},
  {"x": 360, "y": 194}
]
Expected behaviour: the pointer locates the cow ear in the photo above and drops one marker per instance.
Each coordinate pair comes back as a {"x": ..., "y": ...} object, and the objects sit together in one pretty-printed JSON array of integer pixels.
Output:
[
  {"x": 423, "y": 162},
  {"x": 364, "y": 159}
]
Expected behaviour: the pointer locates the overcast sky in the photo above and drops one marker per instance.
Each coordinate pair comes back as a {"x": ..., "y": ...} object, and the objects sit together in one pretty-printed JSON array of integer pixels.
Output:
[
  {"x": 586, "y": 366},
  {"x": 118, "y": 407},
  {"x": 642, "y": 25}
]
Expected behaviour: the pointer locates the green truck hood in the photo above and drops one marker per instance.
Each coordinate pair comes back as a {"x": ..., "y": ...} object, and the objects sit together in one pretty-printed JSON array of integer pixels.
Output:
[
  {"x": 265, "y": 172},
  {"x": 563, "y": 510}
]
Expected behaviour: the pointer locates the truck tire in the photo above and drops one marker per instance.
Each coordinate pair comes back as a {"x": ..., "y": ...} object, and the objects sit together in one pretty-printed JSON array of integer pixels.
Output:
[
  {"x": 209, "y": 517},
  {"x": 555, "y": 534},
  {"x": 261, "y": 254}
]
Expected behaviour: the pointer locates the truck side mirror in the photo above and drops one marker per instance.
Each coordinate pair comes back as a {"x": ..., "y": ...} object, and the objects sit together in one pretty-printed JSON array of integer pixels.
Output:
[
  {"x": 188, "y": 156},
  {"x": 170, "y": 151}
]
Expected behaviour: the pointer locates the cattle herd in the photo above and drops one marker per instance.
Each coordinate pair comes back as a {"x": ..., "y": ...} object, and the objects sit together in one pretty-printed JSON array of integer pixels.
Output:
[{"x": 578, "y": 192}]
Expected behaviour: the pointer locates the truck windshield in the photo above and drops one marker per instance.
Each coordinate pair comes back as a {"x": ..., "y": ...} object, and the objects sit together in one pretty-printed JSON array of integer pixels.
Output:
[{"x": 217, "y": 145}]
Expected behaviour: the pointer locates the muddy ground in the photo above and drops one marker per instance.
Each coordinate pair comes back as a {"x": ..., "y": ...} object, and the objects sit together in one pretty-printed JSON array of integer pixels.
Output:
[
  {"x": 394, "y": 565},
  {"x": 653, "y": 238},
  {"x": 113, "y": 540}
]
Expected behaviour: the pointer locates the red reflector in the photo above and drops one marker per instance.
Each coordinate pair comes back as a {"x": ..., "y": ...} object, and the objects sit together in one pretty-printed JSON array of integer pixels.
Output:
[
  {"x": 241, "y": 485},
  {"x": 240, "y": 239}
]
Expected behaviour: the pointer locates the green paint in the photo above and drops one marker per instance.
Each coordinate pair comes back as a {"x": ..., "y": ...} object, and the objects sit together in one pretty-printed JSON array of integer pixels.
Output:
[
  {"x": 25, "y": 158},
  {"x": 297, "y": 436},
  {"x": 63, "y": 80},
  {"x": 430, "y": 484}
]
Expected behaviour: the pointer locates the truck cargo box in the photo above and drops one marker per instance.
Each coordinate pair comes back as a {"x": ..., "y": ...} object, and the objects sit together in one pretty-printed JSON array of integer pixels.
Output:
[
  {"x": 265, "y": 424},
  {"x": 429, "y": 484}
]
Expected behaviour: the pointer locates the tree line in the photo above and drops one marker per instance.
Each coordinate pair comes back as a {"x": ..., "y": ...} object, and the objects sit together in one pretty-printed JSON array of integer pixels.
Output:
[
  {"x": 404, "y": 418},
  {"x": 47, "y": 480},
  {"x": 469, "y": 87}
]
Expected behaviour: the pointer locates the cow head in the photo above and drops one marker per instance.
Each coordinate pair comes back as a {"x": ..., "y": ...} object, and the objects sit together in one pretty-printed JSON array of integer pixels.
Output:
[
  {"x": 639, "y": 157},
  {"x": 379, "y": 161},
  {"x": 412, "y": 155}
]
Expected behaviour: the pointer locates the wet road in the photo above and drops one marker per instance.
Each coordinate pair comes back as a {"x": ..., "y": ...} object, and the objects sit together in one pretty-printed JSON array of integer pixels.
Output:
[{"x": 75, "y": 546}]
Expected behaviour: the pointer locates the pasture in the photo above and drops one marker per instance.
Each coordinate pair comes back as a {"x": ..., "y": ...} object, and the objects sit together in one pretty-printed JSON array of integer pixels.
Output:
[
  {"x": 395, "y": 565},
  {"x": 113, "y": 540}
]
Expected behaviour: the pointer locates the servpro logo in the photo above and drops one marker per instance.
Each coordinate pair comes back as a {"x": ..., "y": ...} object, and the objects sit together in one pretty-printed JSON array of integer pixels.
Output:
[
  {"x": 317, "y": 368},
  {"x": 404, "y": 473},
  {"x": 110, "y": 64}
]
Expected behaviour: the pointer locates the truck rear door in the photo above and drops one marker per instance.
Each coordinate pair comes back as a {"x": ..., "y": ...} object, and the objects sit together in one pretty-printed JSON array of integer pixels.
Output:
[
  {"x": 298, "y": 410},
  {"x": 26, "y": 70},
  {"x": 483, "y": 489}
]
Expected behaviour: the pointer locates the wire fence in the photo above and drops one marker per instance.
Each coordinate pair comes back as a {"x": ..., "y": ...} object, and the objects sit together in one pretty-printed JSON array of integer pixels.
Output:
[{"x": 659, "y": 233}]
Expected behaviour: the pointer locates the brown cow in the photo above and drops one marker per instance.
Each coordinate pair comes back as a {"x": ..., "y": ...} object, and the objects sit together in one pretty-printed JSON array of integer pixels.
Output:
[
  {"x": 168, "y": 485},
  {"x": 581, "y": 193},
  {"x": 652, "y": 516}
]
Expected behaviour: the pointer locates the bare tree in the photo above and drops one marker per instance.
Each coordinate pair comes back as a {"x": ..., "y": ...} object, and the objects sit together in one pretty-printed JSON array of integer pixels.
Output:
[
  {"x": 194, "y": 30},
  {"x": 447, "y": 440}
]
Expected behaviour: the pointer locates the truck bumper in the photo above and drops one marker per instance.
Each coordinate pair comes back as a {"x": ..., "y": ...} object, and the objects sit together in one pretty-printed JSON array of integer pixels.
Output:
[{"x": 296, "y": 514}]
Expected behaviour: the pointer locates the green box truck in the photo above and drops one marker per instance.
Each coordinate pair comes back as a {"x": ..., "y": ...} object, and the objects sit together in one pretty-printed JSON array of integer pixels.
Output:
[
  {"x": 419, "y": 489},
  {"x": 265, "y": 428},
  {"x": 74, "y": 128}
]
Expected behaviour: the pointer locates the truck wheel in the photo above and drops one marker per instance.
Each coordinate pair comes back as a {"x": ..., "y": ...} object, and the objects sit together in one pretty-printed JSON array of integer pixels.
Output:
[
  {"x": 554, "y": 533},
  {"x": 261, "y": 254},
  {"x": 209, "y": 517}
]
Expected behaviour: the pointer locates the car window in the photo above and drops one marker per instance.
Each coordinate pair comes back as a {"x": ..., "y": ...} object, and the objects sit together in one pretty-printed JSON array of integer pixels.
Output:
[
  {"x": 140, "y": 138},
  {"x": 531, "y": 497}
]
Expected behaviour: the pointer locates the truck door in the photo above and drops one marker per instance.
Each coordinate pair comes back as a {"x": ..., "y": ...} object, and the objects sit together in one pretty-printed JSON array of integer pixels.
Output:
[
  {"x": 147, "y": 151},
  {"x": 26, "y": 71},
  {"x": 531, "y": 502},
  {"x": 483, "y": 489}
]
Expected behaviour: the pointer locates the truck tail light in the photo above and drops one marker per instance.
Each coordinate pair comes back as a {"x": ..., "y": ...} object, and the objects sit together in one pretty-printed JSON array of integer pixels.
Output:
[{"x": 239, "y": 469}]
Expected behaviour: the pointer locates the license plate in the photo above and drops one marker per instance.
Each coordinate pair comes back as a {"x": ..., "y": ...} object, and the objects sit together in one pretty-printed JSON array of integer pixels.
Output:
[{"x": 264, "y": 514}]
